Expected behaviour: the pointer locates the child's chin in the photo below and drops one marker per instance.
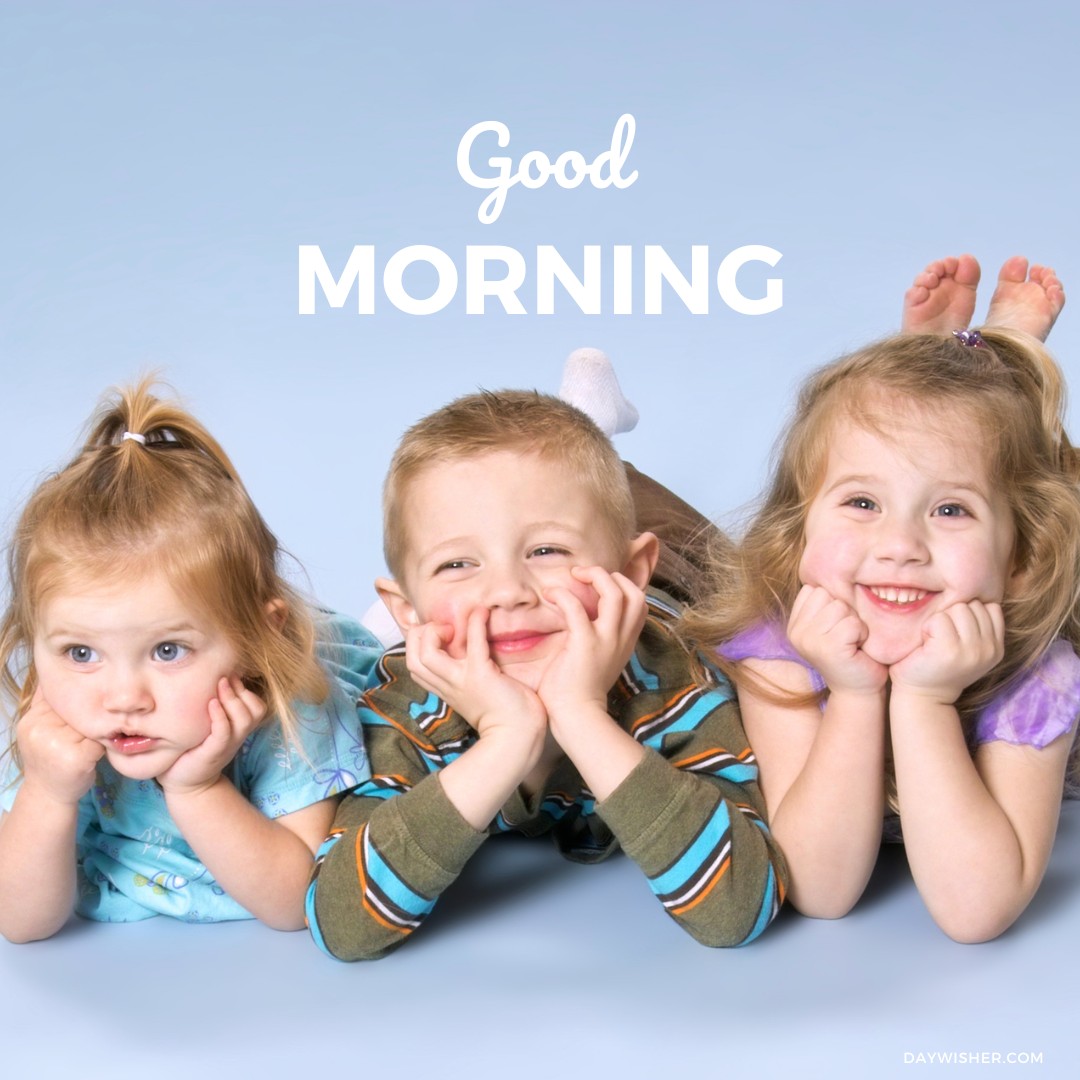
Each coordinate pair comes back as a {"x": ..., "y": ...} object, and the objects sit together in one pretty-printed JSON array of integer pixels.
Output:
[
  {"x": 529, "y": 673},
  {"x": 137, "y": 767},
  {"x": 888, "y": 650}
]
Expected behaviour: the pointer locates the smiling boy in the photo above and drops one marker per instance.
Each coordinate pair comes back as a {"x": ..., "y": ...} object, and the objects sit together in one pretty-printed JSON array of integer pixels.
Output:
[{"x": 539, "y": 690}]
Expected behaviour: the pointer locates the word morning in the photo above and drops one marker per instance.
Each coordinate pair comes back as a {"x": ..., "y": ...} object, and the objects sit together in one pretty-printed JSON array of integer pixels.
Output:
[{"x": 499, "y": 273}]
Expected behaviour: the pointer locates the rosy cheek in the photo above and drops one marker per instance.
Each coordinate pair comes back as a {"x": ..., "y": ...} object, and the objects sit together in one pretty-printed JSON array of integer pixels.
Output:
[
  {"x": 68, "y": 707},
  {"x": 587, "y": 597},
  {"x": 455, "y": 614},
  {"x": 809, "y": 571},
  {"x": 822, "y": 559}
]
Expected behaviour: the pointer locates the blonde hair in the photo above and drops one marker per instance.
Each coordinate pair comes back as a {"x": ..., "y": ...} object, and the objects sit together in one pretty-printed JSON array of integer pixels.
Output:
[
  {"x": 519, "y": 421},
  {"x": 173, "y": 503},
  {"x": 1011, "y": 393}
]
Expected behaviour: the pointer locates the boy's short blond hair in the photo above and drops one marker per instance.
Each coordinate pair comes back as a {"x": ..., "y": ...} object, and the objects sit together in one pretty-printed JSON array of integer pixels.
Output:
[{"x": 517, "y": 421}]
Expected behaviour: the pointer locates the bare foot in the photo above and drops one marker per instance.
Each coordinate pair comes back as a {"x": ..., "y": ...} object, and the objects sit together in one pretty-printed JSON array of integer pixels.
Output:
[
  {"x": 942, "y": 297},
  {"x": 1026, "y": 300}
]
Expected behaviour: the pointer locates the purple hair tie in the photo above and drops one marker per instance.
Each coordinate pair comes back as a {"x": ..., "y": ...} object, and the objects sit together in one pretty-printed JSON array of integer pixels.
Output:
[{"x": 972, "y": 338}]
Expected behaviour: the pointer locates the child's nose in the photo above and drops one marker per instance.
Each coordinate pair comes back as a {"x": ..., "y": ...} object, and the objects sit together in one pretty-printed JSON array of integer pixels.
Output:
[
  {"x": 509, "y": 586},
  {"x": 900, "y": 540},
  {"x": 127, "y": 692}
]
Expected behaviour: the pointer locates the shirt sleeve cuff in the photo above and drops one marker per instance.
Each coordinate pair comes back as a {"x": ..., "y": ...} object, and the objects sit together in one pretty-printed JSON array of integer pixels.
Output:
[
  {"x": 643, "y": 804},
  {"x": 435, "y": 825}
]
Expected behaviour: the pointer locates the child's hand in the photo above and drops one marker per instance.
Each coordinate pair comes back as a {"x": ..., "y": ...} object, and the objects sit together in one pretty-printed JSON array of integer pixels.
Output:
[
  {"x": 55, "y": 757},
  {"x": 596, "y": 649},
  {"x": 487, "y": 698},
  {"x": 828, "y": 634},
  {"x": 234, "y": 714},
  {"x": 959, "y": 645}
]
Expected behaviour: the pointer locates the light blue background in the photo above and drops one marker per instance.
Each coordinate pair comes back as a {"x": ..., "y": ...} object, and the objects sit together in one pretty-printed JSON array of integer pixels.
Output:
[{"x": 163, "y": 161}]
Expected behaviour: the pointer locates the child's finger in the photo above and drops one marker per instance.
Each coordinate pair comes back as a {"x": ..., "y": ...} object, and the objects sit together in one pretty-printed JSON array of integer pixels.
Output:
[
  {"x": 220, "y": 729},
  {"x": 802, "y": 602},
  {"x": 573, "y": 611},
  {"x": 942, "y": 628},
  {"x": 610, "y": 595},
  {"x": 243, "y": 709},
  {"x": 425, "y": 652},
  {"x": 987, "y": 633},
  {"x": 242, "y": 705},
  {"x": 476, "y": 631},
  {"x": 635, "y": 606}
]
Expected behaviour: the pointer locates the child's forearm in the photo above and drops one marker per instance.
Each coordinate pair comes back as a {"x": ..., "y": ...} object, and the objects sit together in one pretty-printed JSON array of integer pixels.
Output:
[
  {"x": 37, "y": 865},
  {"x": 393, "y": 849},
  {"x": 479, "y": 782},
  {"x": 259, "y": 862},
  {"x": 702, "y": 844},
  {"x": 603, "y": 753},
  {"x": 829, "y": 820},
  {"x": 677, "y": 785},
  {"x": 974, "y": 870}
]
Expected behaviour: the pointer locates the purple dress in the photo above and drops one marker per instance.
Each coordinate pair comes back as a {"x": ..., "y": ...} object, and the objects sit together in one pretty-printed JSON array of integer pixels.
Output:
[{"x": 1034, "y": 710}]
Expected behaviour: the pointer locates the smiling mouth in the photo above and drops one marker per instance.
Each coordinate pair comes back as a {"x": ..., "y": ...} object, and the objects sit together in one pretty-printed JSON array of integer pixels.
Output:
[
  {"x": 898, "y": 598},
  {"x": 517, "y": 641}
]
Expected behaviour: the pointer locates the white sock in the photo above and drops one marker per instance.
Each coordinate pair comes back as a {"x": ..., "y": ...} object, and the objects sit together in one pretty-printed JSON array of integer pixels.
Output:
[{"x": 589, "y": 383}]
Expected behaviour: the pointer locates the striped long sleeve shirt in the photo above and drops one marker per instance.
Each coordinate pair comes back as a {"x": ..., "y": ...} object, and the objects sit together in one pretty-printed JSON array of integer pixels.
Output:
[{"x": 690, "y": 814}]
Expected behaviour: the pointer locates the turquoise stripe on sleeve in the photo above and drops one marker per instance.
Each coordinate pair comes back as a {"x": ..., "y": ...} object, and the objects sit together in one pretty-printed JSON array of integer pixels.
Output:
[
  {"x": 768, "y": 908},
  {"x": 397, "y": 891},
  {"x": 313, "y": 922},
  {"x": 689, "y": 721},
  {"x": 309, "y": 896},
  {"x": 420, "y": 710},
  {"x": 646, "y": 678},
  {"x": 676, "y": 876},
  {"x": 739, "y": 773}
]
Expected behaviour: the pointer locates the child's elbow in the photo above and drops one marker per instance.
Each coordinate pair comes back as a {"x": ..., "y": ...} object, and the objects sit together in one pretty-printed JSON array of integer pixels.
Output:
[
  {"x": 24, "y": 935},
  {"x": 353, "y": 951},
  {"x": 286, "y": 923},
  {"x": 972, "y": 919},
  {"x": 967, "y": 929},
  {"x": 827, "y": 907},
  {"x": 722, "y": 940}
]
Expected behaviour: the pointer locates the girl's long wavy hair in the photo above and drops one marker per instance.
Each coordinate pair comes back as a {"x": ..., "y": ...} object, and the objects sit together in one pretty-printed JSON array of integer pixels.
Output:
[
  {"x": 1006, "y": 399},
  {"x": 174, "y": 505}
]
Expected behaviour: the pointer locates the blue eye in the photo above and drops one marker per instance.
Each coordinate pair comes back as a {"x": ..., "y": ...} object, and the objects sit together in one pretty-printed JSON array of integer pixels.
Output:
[
  {"x": 170, "y": 651},
  {"x": 861, "y": 502},
  {"x": 547, "y": 549},
  {"x": 952, "y": 510},
  {"x": 82, "y": 654}
]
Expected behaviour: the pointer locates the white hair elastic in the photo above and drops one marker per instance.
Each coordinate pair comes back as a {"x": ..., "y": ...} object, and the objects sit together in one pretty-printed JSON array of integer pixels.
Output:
[{"x": 141, "y": 439}]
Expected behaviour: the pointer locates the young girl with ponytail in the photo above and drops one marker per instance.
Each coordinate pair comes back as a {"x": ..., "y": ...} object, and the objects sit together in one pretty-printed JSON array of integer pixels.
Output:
[{"x": 183, "y": 722}]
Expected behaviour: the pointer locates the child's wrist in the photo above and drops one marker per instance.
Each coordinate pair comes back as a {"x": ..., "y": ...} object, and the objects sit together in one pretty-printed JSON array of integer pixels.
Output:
[
  {"x": 515, "y": 740},
  {"x": 923, "y": 696},
  {"x": 174, "y": 791},
  {"x": 858, "y": 695},
  {"x": 568, "y": 716},
  {"x": 45, "y": 798}
]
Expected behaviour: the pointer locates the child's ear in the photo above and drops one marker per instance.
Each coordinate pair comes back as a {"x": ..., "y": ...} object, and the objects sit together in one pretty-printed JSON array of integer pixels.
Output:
[
  {"x": 391, "y": 594},
  {"x": 1018, "y": 581},
  {"x": 641, "y": 562},
  {"x": 277, "y": 612}
]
